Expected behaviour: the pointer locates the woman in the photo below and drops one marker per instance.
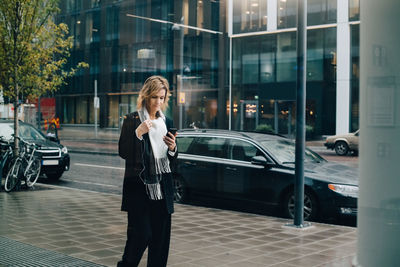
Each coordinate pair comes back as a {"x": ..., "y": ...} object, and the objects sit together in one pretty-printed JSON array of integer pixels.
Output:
[{"x": 149, "y": 150}]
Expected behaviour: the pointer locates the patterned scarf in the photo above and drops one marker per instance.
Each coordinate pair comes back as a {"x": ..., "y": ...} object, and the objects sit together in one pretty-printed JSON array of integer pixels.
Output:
[{"x": 157, "y": 161}]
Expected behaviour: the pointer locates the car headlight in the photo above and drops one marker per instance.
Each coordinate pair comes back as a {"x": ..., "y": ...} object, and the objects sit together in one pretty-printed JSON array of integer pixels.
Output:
[
  {"x": 345, "y": 190},
  {"x": 64, "y": 150}
]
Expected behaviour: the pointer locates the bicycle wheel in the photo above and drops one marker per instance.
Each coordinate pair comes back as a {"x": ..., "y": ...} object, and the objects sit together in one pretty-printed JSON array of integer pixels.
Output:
[
  {"x": 32, "y": 172},
  {"x": 12, "y": 177}
]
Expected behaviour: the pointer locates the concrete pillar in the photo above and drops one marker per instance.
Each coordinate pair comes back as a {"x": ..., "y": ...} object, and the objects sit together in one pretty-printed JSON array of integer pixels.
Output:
[
  {"x": 272, "y": 15},
  {"x": 379, "y": 195},
  {"x": 343, "y": 68}
]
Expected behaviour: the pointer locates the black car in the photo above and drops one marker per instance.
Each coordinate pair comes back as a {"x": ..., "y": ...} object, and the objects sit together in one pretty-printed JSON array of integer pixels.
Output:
[
  {"x": 54, "y": 156},
  {"x": 258, "y": 168}
]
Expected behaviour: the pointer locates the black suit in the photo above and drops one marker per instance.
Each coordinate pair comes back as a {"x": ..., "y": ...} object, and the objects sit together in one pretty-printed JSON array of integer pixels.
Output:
[{"x": 149, "y": 221}]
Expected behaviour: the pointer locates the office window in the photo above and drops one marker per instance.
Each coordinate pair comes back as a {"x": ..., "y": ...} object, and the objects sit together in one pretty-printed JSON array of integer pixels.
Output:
[
  {"x": 287, "y": 13},
  {"x": 321, "y": 55},
  {"x": 249, "y": 16},
  {"x": 73, "y": 5},
  {"x": 286, "y": 57},
  {"x": 321, "y": 12},
  {"x": 112, "y": 23},
  {"x": 75, "y": 29},
  {"x": 250, "y": 62},
  {"x": 92, "y": 27},
  {"x": 95, "y": 3},
  {"x": 267, "y": 59},
  {"x": 354, "y": 10}
]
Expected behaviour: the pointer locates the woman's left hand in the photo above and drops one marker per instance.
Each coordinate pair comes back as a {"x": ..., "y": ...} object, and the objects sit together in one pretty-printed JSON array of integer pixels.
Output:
[{"x": 169, "y": 140}]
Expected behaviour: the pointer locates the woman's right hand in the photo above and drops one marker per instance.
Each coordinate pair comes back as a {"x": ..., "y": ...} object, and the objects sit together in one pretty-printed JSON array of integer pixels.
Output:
[{"x": 143, "y": 128}]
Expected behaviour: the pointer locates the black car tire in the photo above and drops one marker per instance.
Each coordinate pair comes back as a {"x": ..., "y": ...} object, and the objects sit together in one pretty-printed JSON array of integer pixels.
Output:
[
  {"x": 55, "y": 176},
  {"x": 310, "y": 206},
  {"x": 341, "y": 148},
  {"x": 180, "y": 191}
]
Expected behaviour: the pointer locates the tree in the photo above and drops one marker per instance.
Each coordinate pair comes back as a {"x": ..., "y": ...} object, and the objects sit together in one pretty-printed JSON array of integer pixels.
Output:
[{"x": 33, "y": 51}]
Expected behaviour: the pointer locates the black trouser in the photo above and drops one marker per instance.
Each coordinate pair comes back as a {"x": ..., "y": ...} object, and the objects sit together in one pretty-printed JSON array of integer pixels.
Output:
[{"x": 150, "y": 227}]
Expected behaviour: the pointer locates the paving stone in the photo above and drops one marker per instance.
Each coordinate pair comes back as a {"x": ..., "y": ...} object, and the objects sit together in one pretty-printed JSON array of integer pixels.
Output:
[{"x": 89, "y": 226}]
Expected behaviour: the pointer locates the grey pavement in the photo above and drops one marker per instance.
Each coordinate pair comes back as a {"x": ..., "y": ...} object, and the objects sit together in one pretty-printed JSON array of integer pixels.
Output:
[{"x": 88, "y": 227}]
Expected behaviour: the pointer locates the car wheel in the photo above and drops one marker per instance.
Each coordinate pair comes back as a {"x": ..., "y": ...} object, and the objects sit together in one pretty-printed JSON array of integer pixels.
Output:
[
  {"x": 180, "y": 192},
  {"x": 310, "y": 206},
  {"x": 341, "y": 148},
  {"x": 54, "y": 176}
]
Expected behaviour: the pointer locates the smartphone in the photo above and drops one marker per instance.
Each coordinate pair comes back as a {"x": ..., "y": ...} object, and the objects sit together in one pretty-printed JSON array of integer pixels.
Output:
[{"x": 173, "y": 130}]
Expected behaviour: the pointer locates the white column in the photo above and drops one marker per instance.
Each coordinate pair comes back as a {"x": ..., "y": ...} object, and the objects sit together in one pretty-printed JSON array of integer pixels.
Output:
[
  {"x": 379, "y": 195},
  {"x": 272, "y": 15},
  {"x": 343, "y": 68}
]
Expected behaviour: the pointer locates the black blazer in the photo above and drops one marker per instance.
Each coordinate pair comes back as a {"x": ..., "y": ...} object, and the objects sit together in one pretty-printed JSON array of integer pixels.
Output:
[{"x": 134, "y": 195}]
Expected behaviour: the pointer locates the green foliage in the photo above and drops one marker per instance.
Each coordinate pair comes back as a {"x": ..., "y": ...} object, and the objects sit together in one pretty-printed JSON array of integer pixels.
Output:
[
  {"x": 33, "y": 49},
  {"x": 264, "y": 128}
]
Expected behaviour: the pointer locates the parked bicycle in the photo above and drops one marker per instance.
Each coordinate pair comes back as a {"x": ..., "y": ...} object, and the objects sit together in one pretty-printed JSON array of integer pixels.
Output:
[
  {"x": 6, "y": 153},
  {"x": 24, "y": 167}
]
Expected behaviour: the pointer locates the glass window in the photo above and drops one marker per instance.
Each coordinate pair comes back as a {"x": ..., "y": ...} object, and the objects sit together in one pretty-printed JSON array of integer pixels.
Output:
[
  {"x": 112, "y": 23},
  {"x": 354, "y": 10},
  {"x": 29, "y": 133},
  {"x": 95, "y": 3},
  {"x": 92, "y": 27},
  {"x": 113, "y": 103},
  {"x": 184, "y": 143},
  {"x": 321, "y": 54},
  {"x": 267, "y": 59},
  {"x": 250, "y": 70},
  {"x": 249, "y": 16},
  {"x": 237, "y": 60},
  {"x": 82, "y": 110},
  {"x": 321, "y": 12},
  {"x": 94, "y": 62},
  {"x": 73, "y": 5},
  {"x": 284, "y": 151},
  {"x": 6, "y": 131},
  {"x": 241, "y": 150},
  {"x": 89, "y": 27},
  {"x": 210, "y": 147},
  {"x": 315, "y": 55},
  {"x": 75, "y": 29},
  {"x": 287, "y": 13},
  {"x": 286, "y": 57}
]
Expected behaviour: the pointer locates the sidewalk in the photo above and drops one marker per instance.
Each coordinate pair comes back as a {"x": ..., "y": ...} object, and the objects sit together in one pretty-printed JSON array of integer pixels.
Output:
[{"x": 68, "y": 227}]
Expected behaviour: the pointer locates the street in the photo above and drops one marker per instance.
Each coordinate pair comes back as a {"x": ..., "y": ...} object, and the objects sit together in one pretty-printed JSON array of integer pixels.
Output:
[{"x": 98, "y": 173}]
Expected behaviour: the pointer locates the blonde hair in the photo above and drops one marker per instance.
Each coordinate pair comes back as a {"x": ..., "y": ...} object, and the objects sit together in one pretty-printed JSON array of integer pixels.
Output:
[{"x": 150, "y": 88}]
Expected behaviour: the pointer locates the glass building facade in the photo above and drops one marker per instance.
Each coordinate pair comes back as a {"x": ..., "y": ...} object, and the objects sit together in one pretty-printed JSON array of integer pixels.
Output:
[{"x": 125, "y": 42}]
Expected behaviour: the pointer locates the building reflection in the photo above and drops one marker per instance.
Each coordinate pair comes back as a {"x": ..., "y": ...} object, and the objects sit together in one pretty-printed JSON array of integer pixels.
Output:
[{"x": 127, "y": 41}]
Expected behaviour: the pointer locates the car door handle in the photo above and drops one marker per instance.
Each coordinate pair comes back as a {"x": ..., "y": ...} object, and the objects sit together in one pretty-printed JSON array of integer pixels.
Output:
[
  {"x": 190, "y": 163},
  {"x": 231, "y": 168}
]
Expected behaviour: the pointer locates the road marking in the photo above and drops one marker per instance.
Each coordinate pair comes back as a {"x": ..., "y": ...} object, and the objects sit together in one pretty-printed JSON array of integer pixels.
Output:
[{"x": 99, "y": 166}]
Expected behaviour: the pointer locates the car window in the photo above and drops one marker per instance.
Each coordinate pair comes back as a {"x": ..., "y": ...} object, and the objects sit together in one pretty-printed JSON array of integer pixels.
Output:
[
  {"x": 210, "y": 147},
  {"x": 184, "y": 143},
  {"x": 28, "y": 132},
  {"x": 284, "y": 151},
  {"x": 6, "y": 130},
  {"x": 241, "y": 150}
]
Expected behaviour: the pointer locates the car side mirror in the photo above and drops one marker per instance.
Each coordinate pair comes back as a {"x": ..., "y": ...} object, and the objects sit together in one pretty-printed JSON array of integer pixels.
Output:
[{"x": 260, "y": 160}]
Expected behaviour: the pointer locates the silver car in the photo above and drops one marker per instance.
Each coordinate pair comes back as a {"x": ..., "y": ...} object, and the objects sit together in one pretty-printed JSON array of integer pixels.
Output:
[{"x": 343, "y": 143}]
